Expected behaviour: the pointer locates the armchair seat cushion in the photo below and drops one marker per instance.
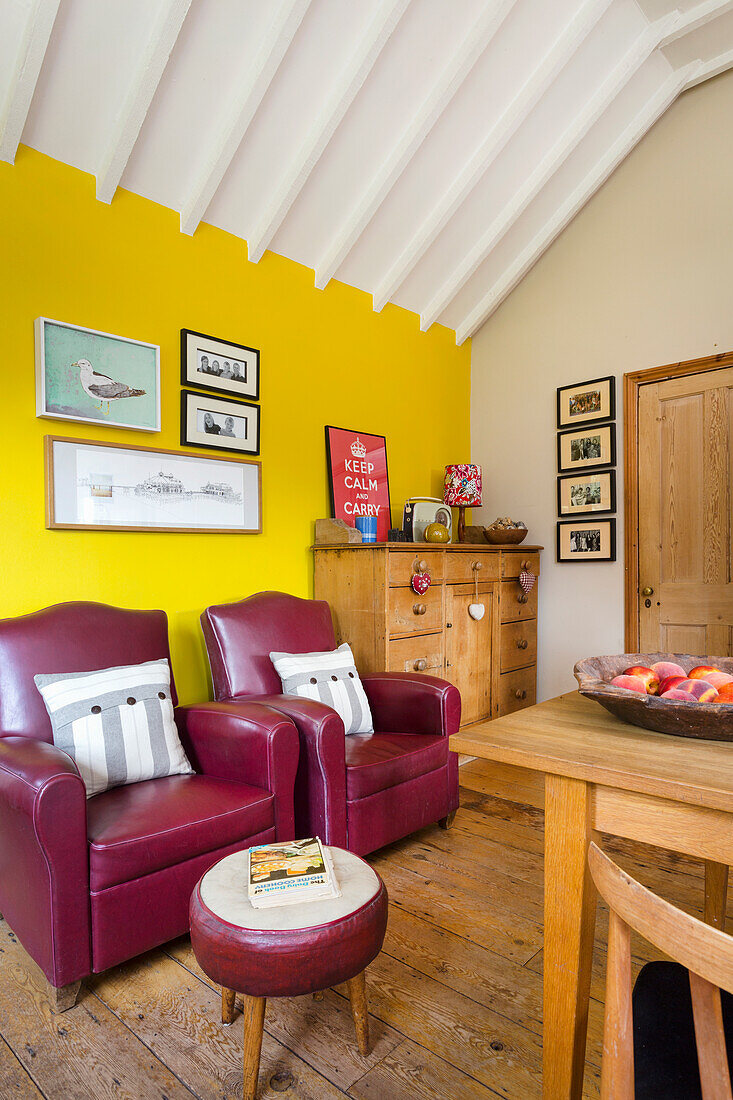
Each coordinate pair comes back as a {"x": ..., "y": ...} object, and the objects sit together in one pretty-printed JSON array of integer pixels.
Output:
[
  {"x": 378, "y": 761},
  {"x": 144, "y": 827}
]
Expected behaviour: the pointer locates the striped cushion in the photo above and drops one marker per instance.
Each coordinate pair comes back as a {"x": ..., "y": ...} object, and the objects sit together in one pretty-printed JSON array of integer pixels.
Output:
[
  {"x": 116, "y": 724},
  {"x": 331, "y": 678}
]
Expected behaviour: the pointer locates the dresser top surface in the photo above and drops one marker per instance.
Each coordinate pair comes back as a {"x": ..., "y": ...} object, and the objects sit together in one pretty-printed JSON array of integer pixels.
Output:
[{"x": 412, "y": 547}]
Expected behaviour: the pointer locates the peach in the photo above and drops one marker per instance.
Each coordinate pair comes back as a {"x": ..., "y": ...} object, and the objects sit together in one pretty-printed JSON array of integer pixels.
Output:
[
  {"x": 631, "y": 683},
  {"x": 681, "y": 696},
  {"x": 664, "y": 669},
  {"x": 725, "y": 695},
  {"x": 701, "y": 672},
  {"x": 650, "y": 678},
  {"x": 718, "y": 679},
  {"x": 699, "y": 689},
  {"x": 669, "y": 682}
]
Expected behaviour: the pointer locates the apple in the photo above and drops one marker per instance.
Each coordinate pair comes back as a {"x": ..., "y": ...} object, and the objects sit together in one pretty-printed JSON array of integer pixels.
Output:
[
  {"x": 699, "y": 689},
  {"x": 631, "y": 683},
  {"x": 670, "y": 682},
  {"x": 718, "y": 679},
  {"x": 647, "y": 675},
  {"x": 664, "y": 669},
  {"x": 681, "y": 696}
]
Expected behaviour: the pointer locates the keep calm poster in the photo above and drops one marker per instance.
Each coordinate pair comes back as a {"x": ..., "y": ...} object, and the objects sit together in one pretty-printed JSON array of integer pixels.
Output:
[{"x": 358, "y": 472}]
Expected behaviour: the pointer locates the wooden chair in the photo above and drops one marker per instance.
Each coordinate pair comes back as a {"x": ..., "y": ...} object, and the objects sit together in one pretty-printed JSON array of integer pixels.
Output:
[{"x": 705, "y": 952}]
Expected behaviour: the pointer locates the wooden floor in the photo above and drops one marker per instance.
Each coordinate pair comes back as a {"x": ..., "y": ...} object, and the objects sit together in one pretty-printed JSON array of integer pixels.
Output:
[{"x": 455, "y": 997}]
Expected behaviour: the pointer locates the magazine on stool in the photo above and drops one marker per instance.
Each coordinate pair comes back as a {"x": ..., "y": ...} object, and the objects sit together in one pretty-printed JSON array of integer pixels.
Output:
[{"x": 282, "y": 874}]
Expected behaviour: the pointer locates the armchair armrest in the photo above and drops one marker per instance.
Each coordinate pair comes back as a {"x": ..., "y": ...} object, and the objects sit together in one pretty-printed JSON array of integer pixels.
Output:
[
  {"x": 248, "y": 743},
  {"x": 403, "y": 703},
  {"x": 44, "y": 875},
  {"x": 320, "y": 786}
]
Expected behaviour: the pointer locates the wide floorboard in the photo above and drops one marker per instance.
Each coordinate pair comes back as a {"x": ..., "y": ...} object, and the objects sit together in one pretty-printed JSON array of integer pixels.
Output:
[{"x": 455, "y": 996}]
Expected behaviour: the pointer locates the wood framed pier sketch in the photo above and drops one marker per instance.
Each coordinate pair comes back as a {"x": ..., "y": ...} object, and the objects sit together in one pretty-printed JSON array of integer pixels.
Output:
[{"x": 92, "y": 486}]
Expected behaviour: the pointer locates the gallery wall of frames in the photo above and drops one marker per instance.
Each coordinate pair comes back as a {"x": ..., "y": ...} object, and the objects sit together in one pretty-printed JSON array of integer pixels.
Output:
[
  {"x": 586, "y": 468},
  {"x": 112, "y": 381}
]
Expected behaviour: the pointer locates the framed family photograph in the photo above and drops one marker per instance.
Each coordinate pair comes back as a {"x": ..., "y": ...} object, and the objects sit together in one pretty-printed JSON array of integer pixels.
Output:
[
  {"x": 219, "y": 365},
  {"x": 586, "y": 402},
  {"x": 586, "y": 448},
  {"x": 219, "y": 423},
  {"x": 96, "y": 377},
  {"x": 92, "y": 486},
  {"x": 579, "y": 494},
  {"x": 586, "y": 540}
]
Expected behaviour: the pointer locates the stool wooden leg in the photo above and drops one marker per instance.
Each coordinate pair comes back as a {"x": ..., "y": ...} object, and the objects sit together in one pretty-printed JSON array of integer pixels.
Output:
[
  {"x": 227, "y": 1006},
  {"x": 254, "y": 1020},
  {"x": 360, "y": 1010}
]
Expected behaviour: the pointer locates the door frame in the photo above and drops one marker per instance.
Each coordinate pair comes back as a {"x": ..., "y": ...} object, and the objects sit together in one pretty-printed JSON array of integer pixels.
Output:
[{"x": 632, "y": 382}]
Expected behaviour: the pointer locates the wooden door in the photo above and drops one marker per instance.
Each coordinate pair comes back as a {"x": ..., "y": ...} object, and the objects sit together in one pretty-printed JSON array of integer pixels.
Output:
[
  {"x": 468, "y": 648},
  {"x": 685, "y": 514}
]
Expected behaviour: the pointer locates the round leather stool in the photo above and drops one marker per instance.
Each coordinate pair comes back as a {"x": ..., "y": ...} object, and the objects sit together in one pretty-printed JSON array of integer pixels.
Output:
[{"x": 287, "y": 950}]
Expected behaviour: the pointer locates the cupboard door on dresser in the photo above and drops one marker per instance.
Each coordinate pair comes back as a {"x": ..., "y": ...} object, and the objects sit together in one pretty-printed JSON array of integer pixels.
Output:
[{"x": 468, "y": 649}]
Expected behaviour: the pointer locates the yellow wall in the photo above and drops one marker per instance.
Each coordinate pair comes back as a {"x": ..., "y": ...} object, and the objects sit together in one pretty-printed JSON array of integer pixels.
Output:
[{"x": 326, "y": 359}]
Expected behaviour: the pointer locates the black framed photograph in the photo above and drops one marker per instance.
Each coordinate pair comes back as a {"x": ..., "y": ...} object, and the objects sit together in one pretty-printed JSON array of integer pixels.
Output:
[
  {"x": 586, "y": 402},
  {"x": 586, "y": 448},
  {"x": 219, "y": 365},
  {"x": 586, "y": 540},
  {"x": 582, "y": 493},
  {"x": 219, "y": 424}
]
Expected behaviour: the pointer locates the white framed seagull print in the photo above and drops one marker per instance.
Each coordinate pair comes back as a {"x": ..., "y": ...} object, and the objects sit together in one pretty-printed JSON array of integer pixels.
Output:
[{"x": 96, "y": 377}]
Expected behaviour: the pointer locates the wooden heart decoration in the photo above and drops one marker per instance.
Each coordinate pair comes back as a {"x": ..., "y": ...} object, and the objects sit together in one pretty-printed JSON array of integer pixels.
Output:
[{"x": 476, "y": 611}]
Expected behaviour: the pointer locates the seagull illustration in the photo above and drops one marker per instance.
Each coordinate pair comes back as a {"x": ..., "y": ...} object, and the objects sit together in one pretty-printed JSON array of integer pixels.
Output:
[{"x": 101, "y": 388}]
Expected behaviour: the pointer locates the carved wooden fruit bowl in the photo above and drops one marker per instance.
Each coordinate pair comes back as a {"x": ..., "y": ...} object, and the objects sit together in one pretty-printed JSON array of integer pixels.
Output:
[{"x": 711, "y": 721}]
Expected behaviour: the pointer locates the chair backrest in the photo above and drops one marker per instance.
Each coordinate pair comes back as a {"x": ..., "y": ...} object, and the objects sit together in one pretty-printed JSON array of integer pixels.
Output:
[
  {"x": 240, "y": 637},
  {"x": 69, "y": 637},
  {"x": 705, "y": 951}
]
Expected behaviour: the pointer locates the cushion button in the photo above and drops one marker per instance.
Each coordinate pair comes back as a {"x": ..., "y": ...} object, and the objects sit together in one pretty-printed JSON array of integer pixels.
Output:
[
  {"x": 313, "y": 680},
  {"x": 96, "y": 710},
  {"x": 351, "y": 674},
  {"x": 131, "y": 701},
  {"x": 334, "y": 677},
  {"x": 161, "y": 695}
]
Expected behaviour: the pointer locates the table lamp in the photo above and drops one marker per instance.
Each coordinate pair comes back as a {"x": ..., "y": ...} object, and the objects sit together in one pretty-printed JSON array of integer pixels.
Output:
[{"x": 462, "y": 489}]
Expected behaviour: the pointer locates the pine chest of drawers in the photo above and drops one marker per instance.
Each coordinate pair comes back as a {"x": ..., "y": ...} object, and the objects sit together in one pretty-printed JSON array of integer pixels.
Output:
[{"x": 492, "y": 660}]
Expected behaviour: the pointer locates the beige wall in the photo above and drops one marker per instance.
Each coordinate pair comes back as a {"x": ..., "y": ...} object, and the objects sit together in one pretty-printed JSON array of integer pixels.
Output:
[{"x": 642, "y": 277}]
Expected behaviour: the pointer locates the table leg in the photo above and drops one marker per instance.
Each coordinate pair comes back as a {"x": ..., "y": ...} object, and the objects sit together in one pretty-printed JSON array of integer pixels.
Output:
[
  {"x": 254, "y": 1021},
  {"x": 716, "y": 893},
  {"x": 570, "y": 914},
  {"x": 360, "y": 1011},
  {"x": 227, "y": 1006}
]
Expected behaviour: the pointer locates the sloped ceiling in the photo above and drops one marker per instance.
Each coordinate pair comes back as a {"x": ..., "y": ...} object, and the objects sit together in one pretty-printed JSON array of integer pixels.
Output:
[{"x": 425, "y": 151}]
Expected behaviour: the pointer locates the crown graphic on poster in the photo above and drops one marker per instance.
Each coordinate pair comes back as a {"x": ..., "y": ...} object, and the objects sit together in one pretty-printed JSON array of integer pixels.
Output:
[{"x": 358, "y": 449}]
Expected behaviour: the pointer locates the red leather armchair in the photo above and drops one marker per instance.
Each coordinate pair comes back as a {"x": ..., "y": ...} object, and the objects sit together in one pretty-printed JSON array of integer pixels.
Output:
[
  {"x": 87, "y": 884},
  {"x": 358, "y": 792}
]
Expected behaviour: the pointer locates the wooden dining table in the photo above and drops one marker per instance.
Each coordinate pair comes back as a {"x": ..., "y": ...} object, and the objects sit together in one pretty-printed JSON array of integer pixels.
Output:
[{"x": 604, "y": 775}]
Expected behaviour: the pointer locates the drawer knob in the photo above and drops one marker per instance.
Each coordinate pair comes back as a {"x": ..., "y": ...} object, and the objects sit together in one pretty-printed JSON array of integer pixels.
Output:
[
  {"x": 419, "y": 565},
  {"x": 476, "y": 565},
  {"x": 420, "y": 665},
  {"x": 526, "y": 565},
  {"x": 521, "y": 643},
  {"x": 522, "y": 597},
  {"x": 419, "y": 608},
  {"x": 519, "y": 694}
]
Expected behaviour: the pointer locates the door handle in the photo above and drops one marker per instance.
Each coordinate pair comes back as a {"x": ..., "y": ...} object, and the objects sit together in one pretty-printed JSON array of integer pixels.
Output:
[{"x": 647, "y": 591}]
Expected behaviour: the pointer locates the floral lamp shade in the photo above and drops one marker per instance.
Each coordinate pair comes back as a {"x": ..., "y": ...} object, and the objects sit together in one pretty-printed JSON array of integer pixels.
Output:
[{"x": 462, "y": 489}]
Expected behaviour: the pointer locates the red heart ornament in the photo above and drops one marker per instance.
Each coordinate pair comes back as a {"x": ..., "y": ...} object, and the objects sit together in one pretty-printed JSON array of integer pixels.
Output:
[
  {"x": 526, "y": 580},
  {"x": 420, "y": 583}
]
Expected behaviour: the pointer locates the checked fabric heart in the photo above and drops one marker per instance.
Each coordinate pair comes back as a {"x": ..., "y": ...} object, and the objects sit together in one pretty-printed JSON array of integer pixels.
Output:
[
  {"x": 420, "y": 583},
  {"x": 526, "y": 580}
]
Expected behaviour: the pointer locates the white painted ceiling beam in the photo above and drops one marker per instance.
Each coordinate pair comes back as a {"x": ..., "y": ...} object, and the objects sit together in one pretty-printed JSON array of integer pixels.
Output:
[
  {"x": 22, "y": 84},
  {"x": 349, "y": 82},
  {"x": 586, "y": 118},
  {"x": 274, "y": 46},
  {"x": 526, "y": 99},
  {"x": 688, "y": 21},
  {"x": 411, "y": 138},
  {"x": 634, "y": 132},
  {"x": 140, "y": 95},
  {"x": 714, "y": 67}
]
